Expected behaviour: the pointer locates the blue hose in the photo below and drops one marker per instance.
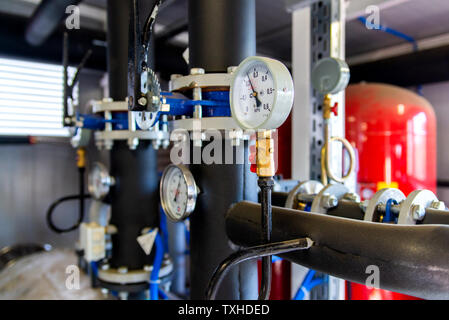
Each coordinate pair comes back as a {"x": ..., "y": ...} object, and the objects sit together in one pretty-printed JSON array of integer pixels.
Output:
[
  {"x": 94, "y": 267},
  {"x": 392, "y": 32},
  {"x": 162, "y": 294},
  {"x": 389, "y": 217},
  {"x": 308, "y": 284},
  {"x": 157, "y": 263},
  {"x": 398, "y": 34},
  {"x": 187, "y": 235},
  {"x": 164, "y": 230}
]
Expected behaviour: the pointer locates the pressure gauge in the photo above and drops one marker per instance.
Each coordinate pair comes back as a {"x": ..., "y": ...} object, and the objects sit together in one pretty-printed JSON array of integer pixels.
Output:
[
  {"x": 330, "y": 76},
  {"x": 261, "y": 94},
  {"x": 178, "y": 192},
  {"x": 99, "y": 181}
]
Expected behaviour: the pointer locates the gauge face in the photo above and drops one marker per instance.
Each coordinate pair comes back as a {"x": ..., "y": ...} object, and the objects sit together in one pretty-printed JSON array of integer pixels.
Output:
[
  {"x": 99, "y": 181},
  {"x": 261, "y": 93},
  {"x": 330, "y": 75},
  {"x": 178, "y": 192}
]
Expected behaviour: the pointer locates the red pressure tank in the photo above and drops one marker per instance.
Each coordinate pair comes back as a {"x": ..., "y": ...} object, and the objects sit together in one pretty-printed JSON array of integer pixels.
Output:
[{"x": 394, "y": 132}]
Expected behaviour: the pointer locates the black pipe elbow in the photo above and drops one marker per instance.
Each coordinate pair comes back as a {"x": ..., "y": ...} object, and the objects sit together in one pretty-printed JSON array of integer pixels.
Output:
[{"x": 412, "y": 260}]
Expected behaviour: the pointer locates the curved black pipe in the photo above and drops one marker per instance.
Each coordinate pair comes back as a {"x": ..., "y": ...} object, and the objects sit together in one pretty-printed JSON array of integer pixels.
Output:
[
  {"x": 412, "y": 260},
  {"x": 252, "y": 253},
  {"x": 45, "y": 20}
]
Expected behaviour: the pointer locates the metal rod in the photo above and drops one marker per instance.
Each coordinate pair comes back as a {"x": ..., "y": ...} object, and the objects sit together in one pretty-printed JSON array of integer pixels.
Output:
[
  {"x": 266, "y": 186},
  {"x": 252, "y": 253},
  {"x": 65, "y": 64}
]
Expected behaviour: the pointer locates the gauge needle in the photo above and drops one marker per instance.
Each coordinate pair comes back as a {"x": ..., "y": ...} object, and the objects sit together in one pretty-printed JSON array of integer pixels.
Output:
[
  {"x": 177, "y": 190},
  {"x": 258, "y": 103}
]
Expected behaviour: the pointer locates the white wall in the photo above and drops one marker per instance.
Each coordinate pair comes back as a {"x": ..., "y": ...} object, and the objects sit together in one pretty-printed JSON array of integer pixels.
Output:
[{"x": 438, "y": 96}]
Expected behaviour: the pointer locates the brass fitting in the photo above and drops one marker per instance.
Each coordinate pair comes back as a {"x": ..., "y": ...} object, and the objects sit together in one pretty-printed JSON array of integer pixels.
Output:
[
  {"x": 265, "y": 154},
  {"x": 81, "y": 158},
  {"x": 327, "y": 108}
]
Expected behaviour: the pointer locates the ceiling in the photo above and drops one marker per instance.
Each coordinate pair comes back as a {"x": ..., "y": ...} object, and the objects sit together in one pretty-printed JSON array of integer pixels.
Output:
[{"x": 417, "y": 18}]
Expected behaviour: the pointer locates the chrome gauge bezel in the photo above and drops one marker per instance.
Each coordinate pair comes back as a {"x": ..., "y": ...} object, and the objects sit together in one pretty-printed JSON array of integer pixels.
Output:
[{"x": 192, "y": 192}]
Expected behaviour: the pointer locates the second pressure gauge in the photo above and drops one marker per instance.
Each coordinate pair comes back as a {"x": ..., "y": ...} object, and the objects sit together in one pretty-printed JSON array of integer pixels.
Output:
[
  {"x": 261, "y": 94},
  {"x": 178, "y": 192},
  {"x": 99, "y": 181},
  {"x": 330, "y": 75}
]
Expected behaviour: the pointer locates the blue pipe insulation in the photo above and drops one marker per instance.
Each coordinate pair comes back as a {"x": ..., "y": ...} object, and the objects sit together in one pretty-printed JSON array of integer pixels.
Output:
[
  {"x": 95, "y": 122},
  {"x": 215, "y": 104}
]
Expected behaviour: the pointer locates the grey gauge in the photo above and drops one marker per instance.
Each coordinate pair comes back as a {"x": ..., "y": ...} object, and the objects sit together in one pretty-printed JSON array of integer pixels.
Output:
[{"x": 99, "y": 181}]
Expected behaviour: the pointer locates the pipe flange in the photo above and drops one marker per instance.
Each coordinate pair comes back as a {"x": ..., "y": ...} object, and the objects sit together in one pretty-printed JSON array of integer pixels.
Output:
[
  {"x": 328, "y": 197},
  {"x": 109, "y": 105},
  {"x": 381, "y": 197},
  {"x": 126, "y": 134},
  {"x": 413, "y": 208},
  {"x": 208, "y": 80},
  {"x": 124, "y": 276},
  {"x": 307, "y": 187}
]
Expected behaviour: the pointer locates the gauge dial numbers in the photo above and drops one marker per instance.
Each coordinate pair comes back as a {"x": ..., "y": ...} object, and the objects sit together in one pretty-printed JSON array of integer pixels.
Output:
[
  {"x": 178, "y": 192},
  {"x": 261, "y": 94}
]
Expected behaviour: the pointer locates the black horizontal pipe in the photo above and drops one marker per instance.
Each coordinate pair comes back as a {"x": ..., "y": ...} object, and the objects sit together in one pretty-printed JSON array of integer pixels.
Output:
[
  {"x": 16, "y": 140},
  {"x": 443, "y": 183},
  {"x": 412, "y": 260},
  {"x": 14, "y": 44},
  {"x": 46, "y": 19},
  {"x": 426, "y": 66},
  {"x": 278, "y": 198}
]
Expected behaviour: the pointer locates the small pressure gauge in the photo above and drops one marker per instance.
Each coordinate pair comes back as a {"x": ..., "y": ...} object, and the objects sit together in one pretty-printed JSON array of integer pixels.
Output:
[
  {"x": 261, "y": 94},
  {"x": 178, "y": 192},
  {"x": 330, "y": 75},
  {"x": 99, "y": 181}
]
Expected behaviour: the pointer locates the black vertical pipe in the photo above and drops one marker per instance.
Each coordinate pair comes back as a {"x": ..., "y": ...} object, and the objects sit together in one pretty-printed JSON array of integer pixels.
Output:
[
  {"x": 222, "y": 185},
  {"x": 134, "y": 198},
  {"x": 221, "y": 33},
  {"x": 134, "y": 202}
]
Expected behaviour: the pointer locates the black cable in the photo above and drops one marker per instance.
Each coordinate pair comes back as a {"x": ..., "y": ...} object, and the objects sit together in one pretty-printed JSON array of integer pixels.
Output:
[
  {"x": 148, "y": 26},
  {"x": 148, "y": 30},
  {"x": 81, "y": 196},
  {"x": 252, "y": 253}
]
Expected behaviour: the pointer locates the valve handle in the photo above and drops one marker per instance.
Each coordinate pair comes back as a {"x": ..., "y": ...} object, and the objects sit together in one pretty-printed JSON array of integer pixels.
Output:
[{"x": 334, "y": 109}]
